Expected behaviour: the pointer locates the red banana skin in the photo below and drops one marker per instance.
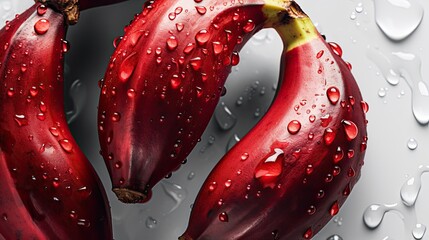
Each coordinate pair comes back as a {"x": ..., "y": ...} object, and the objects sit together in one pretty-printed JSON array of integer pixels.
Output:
[
  {"x": 157, "y": 98},
  {"x": 288, "y": 204},
  {"x": 49, "y": 190}
]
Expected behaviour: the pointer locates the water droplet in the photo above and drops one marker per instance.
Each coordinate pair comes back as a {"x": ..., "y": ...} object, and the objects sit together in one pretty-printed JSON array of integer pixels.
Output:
[
  {"x": 217, "y": 48},
  {"x": 41, "y": 10},
  {"x": 180, "y": 26},
  {"x": 66, "y": 145},
  {"x": 223, "y": 217},
  {"x": 188, "y": 49},
  {"x": 83, "y": 223},
  {"x": 249, "y": 26},
  {"x": 202, "y": 37},
  {"x": 381, "y": 92},
  {"x": 351, "y": 129},
  {"x": 225, "y": 119},
  {"x": 172, "y": 43},
  {"x": 329, "y": 136},
  {"x": 335, "y": 208},
  {"x": 373, "y": 215},
  {"x": 336, "y": 48},
  {"x": 412, "y": 144},
  {"x": 386, "y": 17},
  {"x": 201, "y": 10},
  {"x": 308, "y": 234},
  {"x": 235, "y": 58},
  {"x": 127, "y": 67},
  {"x": 244, "y": 156},
  {"x": 151, "y": 222},
  {"x": 21, "y": 120},
  {"x": 196, "y": 63},
  {"x": 419, "y": 231},
  {"x": 325, "y": 120},
  {"x": 269, "y": 170},
  {"x": 116, "y": 117},
  {"x": 320, "y": 54},
  {"x": 175, "y": 81},
  {"x": 42, "y": 26},
  {"x": 191, "y": 175},
  {"x": 333, "y": 95},
  {"x": 54, "y": 131},
  {"x": 212, "y": 186},
  {"x": 293, "y": 127},
  {"x": 339, "y": 154},
  {"x": 365, "y": 106},
  {"x": 311, "y": 210}
]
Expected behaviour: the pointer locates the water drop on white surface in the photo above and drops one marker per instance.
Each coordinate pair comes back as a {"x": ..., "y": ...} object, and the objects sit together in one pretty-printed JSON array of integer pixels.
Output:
[
  {"x": 191, "y": 175},
  {"x": 382, "y": 92},
  {"x": 412, "y": 144},
  {"x": 419, "y": 231},
  {"x": 394, "y": 27},
  {"x": 359, "y": 8}
]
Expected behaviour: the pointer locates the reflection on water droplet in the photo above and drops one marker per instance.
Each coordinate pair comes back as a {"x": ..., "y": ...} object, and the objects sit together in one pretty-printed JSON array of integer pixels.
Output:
[
  {"x": 78, "y": 94},
  {"x": 394, "y": 27},
  {"x": 224, "y": 117},
  {"x": 374, "y": 214},
  {"x": 151, "y": 222},
  {"x": 419, "y": 231},
  {"x": 191, "y": 175},
  {"x": 412, "y": 144},
  {"x": 175, "y": 192}
]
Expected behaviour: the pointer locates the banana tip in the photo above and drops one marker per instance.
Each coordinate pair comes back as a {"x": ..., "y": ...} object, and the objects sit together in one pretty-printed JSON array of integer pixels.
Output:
[{"x": 129, "y": 196}]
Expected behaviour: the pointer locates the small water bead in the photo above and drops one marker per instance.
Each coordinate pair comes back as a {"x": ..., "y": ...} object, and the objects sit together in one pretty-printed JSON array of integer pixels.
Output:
[
  {"x": 249, "y": 26},
  {"x": 191, "y": 175},
  {"x": 347, "y": 190},
  {"x": 42, "y": 26},
  {"x": 235, "y": 58},
  {"x": 83, "y": 223},
  {"x": 180, "y": 26},
  {"x": 228, "y": 183},
  {"x": 320, "y": 54},
  {"x": 325, "y": 120},
  {"x": 212, "y": 186},
  {"x": 244, "y": 156},
  {"x": 41, "y": 10},
  {"x": 151, "y": 222},
  {"x": 311, "y": 210},
  {"x": 217, "y": 48},
  {"x": 308, "y": 234},
  {"x": 116, "y": 117},
  {"x": 365, "y": 106},
  {"x": 223, "y": 217},
  {"x": 196, "y": 63},
  {"x": 66, "y": 145},
  {"x": 382, "y": 92},
  {"x": 118, "y": 165},
  {"x": 350, "y": 153},
  {"x": 293, "y": 127},
  {"x": 172, "y": 43},
  {"x": 412, "y": 144}
]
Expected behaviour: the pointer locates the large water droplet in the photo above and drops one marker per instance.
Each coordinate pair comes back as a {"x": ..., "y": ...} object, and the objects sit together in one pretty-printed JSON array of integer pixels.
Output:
[
  {"x": 351, "y": 129},
  {"x": 127, "y": 67},
  {"x": 42, "y": 26},
  {"x": 293, "y": 127},
  {"x": 224, "y": 117},
  {"x": 269, "y": 169},
  {"x": 419, "y": 231},
  {"x": 394, "y": 27},
  {"x": 333, "y": 95},
  {"x": 373, "y": 215}
]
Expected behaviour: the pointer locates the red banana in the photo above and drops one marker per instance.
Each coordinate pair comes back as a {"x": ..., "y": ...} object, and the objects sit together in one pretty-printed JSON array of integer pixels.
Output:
[
  {"x": 49, "y": 190},
  {"x": 291, "y": 173},
  {"x": 163, "y": 83}
]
